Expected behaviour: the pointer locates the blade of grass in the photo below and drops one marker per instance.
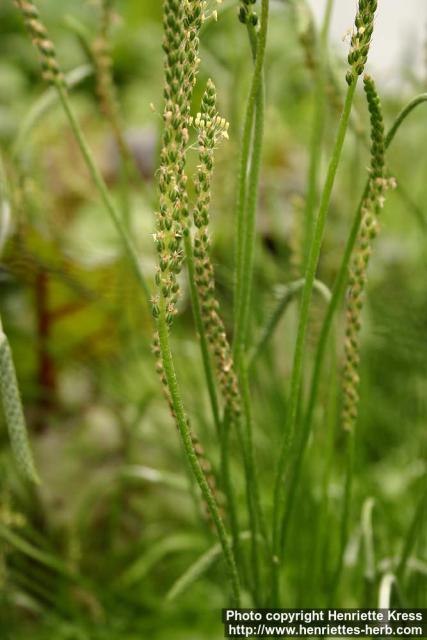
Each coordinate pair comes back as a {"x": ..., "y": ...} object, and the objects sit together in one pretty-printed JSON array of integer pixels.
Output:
[
  {"x": 157, "y": 552},
  {"x": 389, "y": 584},
  {"x": 155, "y": 476},
  {"x": 197, "y": 569},
  {"x": 44, "y": 558}
]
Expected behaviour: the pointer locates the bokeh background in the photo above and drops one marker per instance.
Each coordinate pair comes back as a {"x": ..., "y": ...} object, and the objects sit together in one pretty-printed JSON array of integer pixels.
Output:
[{"x": 94, "y": 553}]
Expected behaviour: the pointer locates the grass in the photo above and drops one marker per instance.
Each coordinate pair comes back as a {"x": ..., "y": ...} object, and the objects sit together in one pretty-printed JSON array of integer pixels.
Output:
[{"x": 263, "y": 491}]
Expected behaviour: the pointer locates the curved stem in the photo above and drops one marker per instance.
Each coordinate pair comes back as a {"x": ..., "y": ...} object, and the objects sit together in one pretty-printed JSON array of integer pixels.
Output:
[
  {"x": 103, "y": 191},
  {"x": 406, "y": 111},
  {"x": 290, "y": 291},
  {"x": 389, "y": 584},
  {"x": 197, "y": 313},
  {"x": 185, "y": 434},
  {"x": 42, "y": 106},
  {"x": 312, "y": 263}
]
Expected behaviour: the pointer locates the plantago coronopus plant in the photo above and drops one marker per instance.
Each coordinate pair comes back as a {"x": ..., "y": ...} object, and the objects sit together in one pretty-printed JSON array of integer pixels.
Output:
[{"x": 253, "y": 390}]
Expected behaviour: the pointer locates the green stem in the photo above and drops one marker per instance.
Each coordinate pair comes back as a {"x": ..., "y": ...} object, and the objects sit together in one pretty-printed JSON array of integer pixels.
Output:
[
  {"x": 103, "y": 190},
  {"x": 257, "y": 97},
  {"x": 256, "y": 517},
  {"x": 319, "y": 117},
  {"x": 43, "y": 105},
  {"x": 312, "y": 263},
  {"x": 253, "y": 131},
  {"x": 242, "y": 327},
  {"x": 249, "y": 233},
  {"x": 197, "y": 313},
  {"x": 193, "y": 461},
  {"x": 406, "y": 111},
  {"x": 321, "y": 535},
  {"x": 250, "y": 159},
  {"x": 228, "y": 488},
  {"x": 226, "y": 423}
]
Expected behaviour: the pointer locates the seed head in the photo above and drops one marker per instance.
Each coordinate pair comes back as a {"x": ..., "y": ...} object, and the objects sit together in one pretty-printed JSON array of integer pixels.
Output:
[
  {"x": 361, "y": 38},
  {"x": 40, "y": 37},
  {"x": 369, "y": 229}
]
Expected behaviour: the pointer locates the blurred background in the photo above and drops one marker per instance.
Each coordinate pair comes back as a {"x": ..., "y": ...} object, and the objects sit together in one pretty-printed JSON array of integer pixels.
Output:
[{"x": 97, "y": 550}]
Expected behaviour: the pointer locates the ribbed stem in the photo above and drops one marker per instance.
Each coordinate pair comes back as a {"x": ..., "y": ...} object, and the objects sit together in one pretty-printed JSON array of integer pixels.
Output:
[
  {"x": 252, "y": 145},
  {"x": 253, "y": 131}
]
